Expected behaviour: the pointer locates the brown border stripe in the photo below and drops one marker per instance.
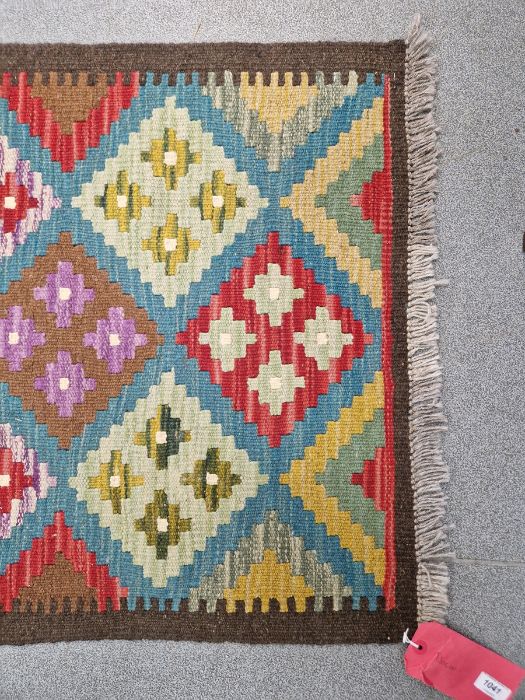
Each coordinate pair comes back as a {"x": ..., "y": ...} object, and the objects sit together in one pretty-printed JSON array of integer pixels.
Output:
[
  {"x": 309, "y": 627},
  {"x": 171, "y": 59},
  {"x": 406, "y": 576},
  {"x": 328, "y": 627}
]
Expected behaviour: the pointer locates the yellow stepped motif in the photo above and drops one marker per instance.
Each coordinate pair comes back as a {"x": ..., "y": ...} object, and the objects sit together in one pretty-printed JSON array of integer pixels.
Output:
[
  {"x": 302, "y": 479},
  {"x": 350, "y": 146},
  {"x": 171, "y": 157},
  {"x": 170, "y": 244},
  {"x": 266, "y": 580},
  {"x": 276, "y": 104}
]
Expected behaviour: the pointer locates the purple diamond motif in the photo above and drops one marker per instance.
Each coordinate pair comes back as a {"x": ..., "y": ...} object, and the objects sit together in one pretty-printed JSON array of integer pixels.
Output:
[
  {"x": 18, "y": 338},
  {"x": 64, "y": 294},
  {"x": 40, "y": 481},
  {"x": 64, "y": 384},
  {"x": 115, "y": 339}
]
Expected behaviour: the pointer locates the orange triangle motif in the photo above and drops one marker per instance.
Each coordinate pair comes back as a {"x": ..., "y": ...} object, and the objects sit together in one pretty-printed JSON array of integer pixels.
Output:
[
  {"x": 68, "y": 117},
  {"x": 58, "y": 567}
]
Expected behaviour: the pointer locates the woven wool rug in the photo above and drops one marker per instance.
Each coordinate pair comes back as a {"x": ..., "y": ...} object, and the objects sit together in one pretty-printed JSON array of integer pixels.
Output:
[{"x": 219, "y": 382}]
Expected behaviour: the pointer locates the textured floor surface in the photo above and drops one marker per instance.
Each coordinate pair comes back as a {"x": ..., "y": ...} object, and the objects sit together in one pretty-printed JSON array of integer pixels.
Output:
[{"x": 481, "y": 213}]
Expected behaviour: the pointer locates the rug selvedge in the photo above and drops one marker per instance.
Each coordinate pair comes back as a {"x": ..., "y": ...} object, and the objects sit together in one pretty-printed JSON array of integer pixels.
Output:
[{"x": 203, "y": 368}]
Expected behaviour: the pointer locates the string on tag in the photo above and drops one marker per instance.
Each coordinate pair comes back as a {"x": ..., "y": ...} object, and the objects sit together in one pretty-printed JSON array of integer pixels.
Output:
[{"x": 407, "y": 640}]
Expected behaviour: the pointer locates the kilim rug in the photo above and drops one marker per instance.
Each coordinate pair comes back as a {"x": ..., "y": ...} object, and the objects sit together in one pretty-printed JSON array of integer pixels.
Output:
[{"x": 219, "y": 382}]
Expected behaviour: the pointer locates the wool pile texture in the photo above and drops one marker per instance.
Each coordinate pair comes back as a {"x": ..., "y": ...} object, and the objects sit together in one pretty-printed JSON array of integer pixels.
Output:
[{"x": 219, "y": 386}]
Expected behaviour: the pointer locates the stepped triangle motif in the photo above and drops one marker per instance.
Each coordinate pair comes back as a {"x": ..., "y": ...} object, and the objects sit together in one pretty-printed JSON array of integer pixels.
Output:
[
  {"x": 268, "y": 580},
  {"x": 362, "y": 536},
  {"x": 273, "y": 564},
  {"x": 344, "y": 196},
  {"x": 68, "y": 116},
  {"x": 56, "y": 567},
  {"x": 364, "y": 495},
  {"x": 275, "y": 116},
  {"x": 328, "y": 201},
  {"x": 373, "y": 479}
]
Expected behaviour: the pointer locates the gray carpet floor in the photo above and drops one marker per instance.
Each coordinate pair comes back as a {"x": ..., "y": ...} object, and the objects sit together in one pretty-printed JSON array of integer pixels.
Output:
[{"x": 481, "y": 210}]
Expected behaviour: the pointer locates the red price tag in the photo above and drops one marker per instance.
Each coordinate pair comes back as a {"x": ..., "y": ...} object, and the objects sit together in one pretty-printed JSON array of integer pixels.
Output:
[{"x": 458, "y": 667}]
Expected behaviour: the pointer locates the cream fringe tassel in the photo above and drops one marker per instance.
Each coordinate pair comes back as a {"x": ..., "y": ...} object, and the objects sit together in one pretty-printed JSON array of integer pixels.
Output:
[{"x": 426, "y": 418}]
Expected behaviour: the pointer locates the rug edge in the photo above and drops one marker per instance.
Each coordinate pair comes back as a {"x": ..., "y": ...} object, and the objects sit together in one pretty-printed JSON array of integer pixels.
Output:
[
  {"x": 158, "y": 62},
  {"x": 426, "y": 418}
]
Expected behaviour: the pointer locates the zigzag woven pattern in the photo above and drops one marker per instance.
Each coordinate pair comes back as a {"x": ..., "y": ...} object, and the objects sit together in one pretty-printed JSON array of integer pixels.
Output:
[{"x": 203, "y": 363}]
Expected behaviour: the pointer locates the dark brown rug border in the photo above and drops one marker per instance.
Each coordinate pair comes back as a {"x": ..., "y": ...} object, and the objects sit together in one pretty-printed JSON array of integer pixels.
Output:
[
  {"x": 404, "y": 528},
  {"x": 172, "y": 59},
  {"x": 357, "y": 626},
  {"x": 274, "y": 627}
]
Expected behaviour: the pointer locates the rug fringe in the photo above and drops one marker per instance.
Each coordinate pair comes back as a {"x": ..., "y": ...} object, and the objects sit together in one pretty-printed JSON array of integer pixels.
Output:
[{"x": 426, "y": 418}]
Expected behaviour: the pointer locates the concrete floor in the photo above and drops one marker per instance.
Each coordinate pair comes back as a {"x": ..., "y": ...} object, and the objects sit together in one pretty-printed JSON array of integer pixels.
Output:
[{"x": 481, "y": 209}]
